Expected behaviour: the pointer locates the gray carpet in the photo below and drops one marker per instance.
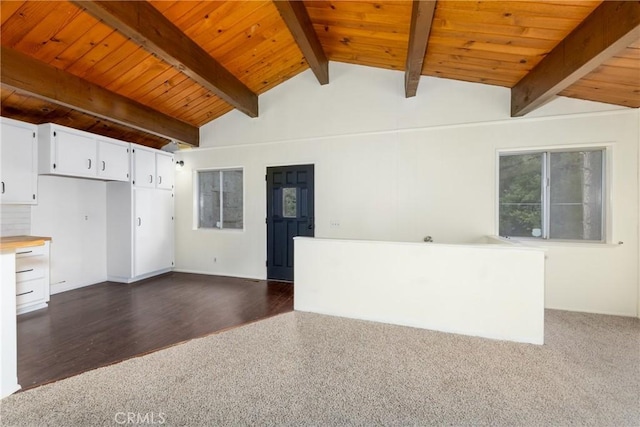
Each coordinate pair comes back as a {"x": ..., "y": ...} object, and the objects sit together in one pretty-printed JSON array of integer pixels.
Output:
[{"x": 307, "y": 369}]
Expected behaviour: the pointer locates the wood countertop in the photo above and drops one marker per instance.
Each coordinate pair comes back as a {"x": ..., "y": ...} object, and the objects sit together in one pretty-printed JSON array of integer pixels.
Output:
[{"x": 14, "y": 242}]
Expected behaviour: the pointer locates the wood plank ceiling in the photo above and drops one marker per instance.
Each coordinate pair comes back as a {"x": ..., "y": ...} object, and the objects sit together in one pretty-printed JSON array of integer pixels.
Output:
[{"x": 261, "y": 44}]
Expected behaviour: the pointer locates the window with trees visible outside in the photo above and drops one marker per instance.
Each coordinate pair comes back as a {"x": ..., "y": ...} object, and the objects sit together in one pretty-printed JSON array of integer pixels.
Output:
[
  {"x": 220, "y": 199},
  {"x": 552, "y": 195}
]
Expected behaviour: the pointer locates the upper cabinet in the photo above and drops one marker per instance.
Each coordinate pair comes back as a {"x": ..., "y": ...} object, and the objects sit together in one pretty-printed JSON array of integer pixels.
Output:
[
  {"x": 113, "y": 159},
  {"x": 19, "y": 153},
  {"x": 144, "y": 166},
  {"x": 70, "y": 152},
  {"x": 165, "y": 170},
  {"x": 152, "y": 168}
]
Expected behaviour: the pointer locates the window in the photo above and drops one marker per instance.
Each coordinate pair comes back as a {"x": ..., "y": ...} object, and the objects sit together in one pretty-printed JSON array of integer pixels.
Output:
[
  {"x": 220, "y": 199},
  {"x": 552, "y": 195}
]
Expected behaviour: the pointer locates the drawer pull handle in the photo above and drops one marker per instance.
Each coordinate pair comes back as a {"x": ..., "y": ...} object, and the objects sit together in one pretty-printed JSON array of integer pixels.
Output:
[
  {"x": 25, "y": 293},
  {"x": 25, "y": 271},
  {"x": 22, "y": 253}
]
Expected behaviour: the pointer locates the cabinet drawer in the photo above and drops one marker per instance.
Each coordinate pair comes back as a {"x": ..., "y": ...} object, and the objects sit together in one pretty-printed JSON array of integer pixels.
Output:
[
  {"x": 31, "y": 251},
  {"x": 30, "y": 291},
  {"x": 30, "y": 268}
]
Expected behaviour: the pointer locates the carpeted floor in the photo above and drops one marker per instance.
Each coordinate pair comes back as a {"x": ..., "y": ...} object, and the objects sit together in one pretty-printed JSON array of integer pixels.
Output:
[{"x": 307, "y": 369}]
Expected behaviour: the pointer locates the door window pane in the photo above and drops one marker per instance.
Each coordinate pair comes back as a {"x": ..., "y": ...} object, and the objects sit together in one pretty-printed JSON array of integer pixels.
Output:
[
  {"x": 289, "y": 202},
  {"x": 521, "y": 195}
]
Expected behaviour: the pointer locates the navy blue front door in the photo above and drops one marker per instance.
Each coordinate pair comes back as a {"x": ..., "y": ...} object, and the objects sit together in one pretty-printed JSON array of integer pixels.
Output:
[{"x": 289, "y": 214}]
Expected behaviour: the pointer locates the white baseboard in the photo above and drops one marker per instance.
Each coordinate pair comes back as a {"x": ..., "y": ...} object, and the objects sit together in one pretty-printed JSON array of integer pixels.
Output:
[
  {"x": 57, "y": 288},
  {"x": 120, "y": 279},
  {"x": 608, "y": 313},
  {"x": 218, "y": 273},
  {"x": 64, "y": 286}
]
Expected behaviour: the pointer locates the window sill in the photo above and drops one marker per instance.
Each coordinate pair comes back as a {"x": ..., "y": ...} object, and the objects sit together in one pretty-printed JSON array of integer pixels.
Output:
[
  {"x": 555, "y": 243},
  {"x": 220, "y": 230}
]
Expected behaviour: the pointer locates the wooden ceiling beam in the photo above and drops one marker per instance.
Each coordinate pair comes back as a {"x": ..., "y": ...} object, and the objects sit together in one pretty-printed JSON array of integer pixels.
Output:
[
  {"x": 421, "y": 20},
  {"x": 297, "y": 19},
  {"x": 28, "y": 75},
  {"x": 610, "y": 28},
  {"x": 147, "y": 26}
]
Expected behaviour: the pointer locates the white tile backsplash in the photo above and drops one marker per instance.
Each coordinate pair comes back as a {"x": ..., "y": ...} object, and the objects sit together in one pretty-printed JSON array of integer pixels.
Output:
[{"x": 15, "y": 220}]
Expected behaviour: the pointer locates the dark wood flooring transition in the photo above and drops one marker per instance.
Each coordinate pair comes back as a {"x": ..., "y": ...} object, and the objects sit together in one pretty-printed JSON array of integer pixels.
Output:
[{"x": 95, "y": 326}]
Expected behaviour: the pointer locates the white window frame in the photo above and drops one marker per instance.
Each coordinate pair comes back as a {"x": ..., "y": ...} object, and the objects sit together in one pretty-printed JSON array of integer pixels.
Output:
[
  {"x": 607, "y": 155},
  {"x": 196, "y": 200}
]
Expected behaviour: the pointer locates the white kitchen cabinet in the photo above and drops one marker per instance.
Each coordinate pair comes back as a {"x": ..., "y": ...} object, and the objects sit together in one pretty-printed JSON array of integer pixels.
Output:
[
  {"x": 71, "y": 152},
  {"x": 65, "y": 151},
  {"x": 140, "y": 222},
  {"x": 144, "y": 166},
  {"x": 8, "y": 331},
  {"x": 152, "y": 168},
  {"x": 19, "y": 164},
  {"x": 32, "y": 278},
  {"x": 153, "y": 231},
  {"x": 113, "y": 159},
  {"x": 165, "y": 170}
]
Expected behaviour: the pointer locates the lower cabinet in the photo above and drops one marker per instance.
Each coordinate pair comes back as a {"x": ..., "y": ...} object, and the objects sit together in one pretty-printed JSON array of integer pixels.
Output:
[
  {"x": 140, "y": 232},
  {"x": 32, "y": 278}
]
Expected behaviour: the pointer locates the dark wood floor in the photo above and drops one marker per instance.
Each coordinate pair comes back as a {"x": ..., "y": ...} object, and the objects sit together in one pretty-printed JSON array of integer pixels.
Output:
[{"x": 106, "y": 323}]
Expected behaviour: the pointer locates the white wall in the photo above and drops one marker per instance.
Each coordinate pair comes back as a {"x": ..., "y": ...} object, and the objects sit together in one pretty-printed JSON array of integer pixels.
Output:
[
  {"x": 73, "y": 212},
  {"x": 15, "y": 220},
  {"x": 491, "y": 291},
  {"x": 390, "y": 168}
]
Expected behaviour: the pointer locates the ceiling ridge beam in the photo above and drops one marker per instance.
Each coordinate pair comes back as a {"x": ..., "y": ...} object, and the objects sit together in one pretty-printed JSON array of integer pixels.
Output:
[
  {"x": 148, "y": 27},
  {"x": 297, "y": 19},
  {"x": 610, "y": 28},
  {"x": 28, "y": 75},
  {"x": 421, "y": 20}
]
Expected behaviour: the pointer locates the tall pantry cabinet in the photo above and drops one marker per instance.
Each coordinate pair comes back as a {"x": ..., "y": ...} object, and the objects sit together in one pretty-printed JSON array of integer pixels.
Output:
[{"x": 140, "y": 232}]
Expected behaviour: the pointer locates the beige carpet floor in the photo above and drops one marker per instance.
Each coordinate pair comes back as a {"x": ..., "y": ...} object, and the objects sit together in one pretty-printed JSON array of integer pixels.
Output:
[{"x": 307, "y": 369}]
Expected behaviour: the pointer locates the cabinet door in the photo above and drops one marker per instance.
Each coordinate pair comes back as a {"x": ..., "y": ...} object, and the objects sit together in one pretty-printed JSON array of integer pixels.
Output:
[
  {"x": 113, "y": 160},
  {"x": 163, "y": 202},
  {"x": 19, "y": 163},
  {"x": 144, "y": 167},
  {"x": 153, "y": 236},
  {"x": 165, "y": 170},
  {"x": 145, "y": 250},
  {"x": 75, "y": 154}
]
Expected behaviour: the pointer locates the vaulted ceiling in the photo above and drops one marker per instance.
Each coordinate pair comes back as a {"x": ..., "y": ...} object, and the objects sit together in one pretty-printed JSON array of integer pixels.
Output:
[{"x": 154, "y": 71}]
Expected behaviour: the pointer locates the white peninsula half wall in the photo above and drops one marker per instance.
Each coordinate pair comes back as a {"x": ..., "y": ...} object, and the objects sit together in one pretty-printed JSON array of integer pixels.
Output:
[{"x": 491, "y": 291}]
